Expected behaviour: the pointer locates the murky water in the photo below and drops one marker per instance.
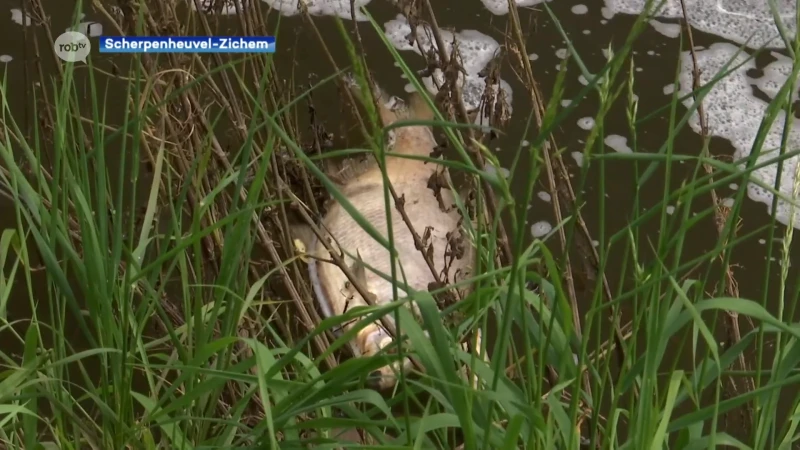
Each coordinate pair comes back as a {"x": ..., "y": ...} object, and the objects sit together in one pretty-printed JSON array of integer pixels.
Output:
[{"x": 734, "y": 112}]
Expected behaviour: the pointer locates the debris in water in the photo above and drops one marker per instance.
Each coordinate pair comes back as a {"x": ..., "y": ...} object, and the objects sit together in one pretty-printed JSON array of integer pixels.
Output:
[
  {"x": 477, "y": 51},
  {"x": 300, "y": 247}
]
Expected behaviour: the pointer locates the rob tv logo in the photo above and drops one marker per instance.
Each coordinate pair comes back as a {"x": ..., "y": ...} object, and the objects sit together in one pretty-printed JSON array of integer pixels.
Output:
[{"x": 72, "y": 46}]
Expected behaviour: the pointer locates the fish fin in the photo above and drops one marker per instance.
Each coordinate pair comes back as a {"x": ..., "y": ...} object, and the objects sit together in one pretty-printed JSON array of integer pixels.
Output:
[
  {"x": 390, "y": 108},
  {"x": 344, "y": 171},
  {"x": 360, "y": 273},
  {"x": 358, "y": 269},
  {"x": 333, "y": 170}
]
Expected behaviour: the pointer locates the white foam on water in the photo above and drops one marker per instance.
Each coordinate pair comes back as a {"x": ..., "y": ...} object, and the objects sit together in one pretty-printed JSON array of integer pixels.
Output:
[
  {"x": 228, "y": 9},
  {"x": 579, "y": 9},
  {"x": 586, "y": 123},
  {"x": 735, "y": 20},
  {"x": 6, "y": 58},
  {"x": 476, "y": 50},
  {"x": 17, "y": 17},
  {"x": 670, "y": 210},
  {"x": 670, "y": 30},
  {"x": 339, "y": 8},
  {"x": 91, "y": 29},
  {"x": 541, "y": 228},
  {"x": 618, "y": 143},
  {"x": 669, "y": 89},
  {"x": 494, "y": 171},
  {"x": 561, "y": 53},
  {"x": 533, "y": 57},
  {"x": 775, "y": 75},
  {"x": 728, "y": 202},
  {"x": 607, "y": 13},
  {"x": 566, "y": 102},
  {"x": 734, "y": 186},
  {"x": 544, "y": 196},
  {"x": 500, "y": 7},
  {"x": 578, "y": 157},
  {"x": 762, "y": 241},
  {"x": 735, "y": 113}
]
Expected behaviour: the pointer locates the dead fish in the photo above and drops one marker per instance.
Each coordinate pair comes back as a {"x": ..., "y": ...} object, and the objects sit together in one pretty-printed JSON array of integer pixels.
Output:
[{"x": 426, "y": 210}]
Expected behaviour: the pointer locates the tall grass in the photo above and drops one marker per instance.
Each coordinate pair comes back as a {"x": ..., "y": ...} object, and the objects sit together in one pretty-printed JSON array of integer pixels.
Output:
[{"x": 156, "y": 316}]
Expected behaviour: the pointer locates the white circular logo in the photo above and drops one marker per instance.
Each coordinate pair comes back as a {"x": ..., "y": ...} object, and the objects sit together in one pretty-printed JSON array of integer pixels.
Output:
[{"x": 72, "y": 46}]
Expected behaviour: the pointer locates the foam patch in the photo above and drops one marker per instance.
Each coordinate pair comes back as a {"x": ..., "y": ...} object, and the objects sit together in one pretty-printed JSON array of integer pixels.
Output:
[
  {"x": 586, "y": 123},
  {"x": 540, "y": 229},
  {"x": 340, "y": 8},
  {"x": 735, "y": 20},
  {"x": 618, "y": 143},
  {"x": 19, "y": 18},
  {"x": 775, "y": 75},
  {"x": 476, "y": 49},
  {"x": 500, "y": 7},
  {"x": 91, "y": 29},
  {"x": 735, "y": 113},
  {"x": 670, "y": 30},
  {"x": 228, "y": 9}
]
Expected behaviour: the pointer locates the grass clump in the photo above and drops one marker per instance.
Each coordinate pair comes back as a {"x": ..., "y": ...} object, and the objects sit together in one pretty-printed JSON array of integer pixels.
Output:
[{"x": 172, "y": 312}]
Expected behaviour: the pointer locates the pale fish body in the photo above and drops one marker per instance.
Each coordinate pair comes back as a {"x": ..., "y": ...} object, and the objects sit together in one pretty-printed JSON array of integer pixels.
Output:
[{"x": 365, "y": 192}]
